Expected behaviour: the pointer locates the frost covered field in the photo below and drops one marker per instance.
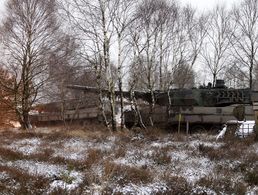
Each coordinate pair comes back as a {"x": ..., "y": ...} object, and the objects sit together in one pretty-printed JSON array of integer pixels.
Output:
[{"x": 90, "y": 161}]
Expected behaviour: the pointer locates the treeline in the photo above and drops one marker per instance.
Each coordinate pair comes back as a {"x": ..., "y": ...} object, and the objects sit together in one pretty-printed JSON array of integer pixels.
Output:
[{"x": 120, "y": 45}]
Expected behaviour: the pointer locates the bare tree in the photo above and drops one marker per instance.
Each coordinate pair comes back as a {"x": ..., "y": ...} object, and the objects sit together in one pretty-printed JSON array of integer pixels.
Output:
[
  {"x": 92, "y": 21},
  {"x": 218, "y": 41},
  {"x": 235, "y": 76},
  {"x": 28, "y": 37},
  {"x": 183, "y": 76},
  {"x": 245, "y": 43},
  {"x": 64, "y": 66},
  {"x": 150, "y": 42},
  {"x": 187, "y": 40},
  {"x": 122, "y": 19},
  {"x": 196, "y": 32}
]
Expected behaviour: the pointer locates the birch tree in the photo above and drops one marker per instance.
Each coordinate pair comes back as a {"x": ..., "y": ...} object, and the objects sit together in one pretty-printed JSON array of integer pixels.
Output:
[
  {"x": 152, "y": 45},
  {"x": 28, "y": 38},
  {"x": 245, "y": 45},
  {"x": 122, "y": 18},
  {"x": 92, "y": 22},
  {"x": 218, "y": 42}
]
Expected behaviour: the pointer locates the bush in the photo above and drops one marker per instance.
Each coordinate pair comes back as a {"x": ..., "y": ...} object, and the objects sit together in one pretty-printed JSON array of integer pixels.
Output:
[
  {"x": 161, "y": 157},
  {"x": 251, "y": 177},
  {"x": 210, "y": 152},
  {"x": 177, "y": 185},
  {"x": 222, "y": 185},
  {"x": 123, "y": 174},
  {"x": 94, "y": 156},
  {"x": 11, "y": 155}
]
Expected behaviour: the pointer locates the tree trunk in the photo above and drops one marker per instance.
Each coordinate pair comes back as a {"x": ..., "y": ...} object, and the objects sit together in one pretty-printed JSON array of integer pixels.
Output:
[
  {"x": 121, "y": 103},
  {"x": 138, "y": 118},
  {"x": 25, "y": 122},
  {"x": 120, "y": 82},
  {"x": 169, "y": 105},
  {"x": 251, "y": 76},
  {"x": 106, "y": 47},
  {"x": 161, "y": 60},
  {"x": 214, "y": 79},
  {"x": 113, "y": 109},
  {"x": 152, "y": 104}
]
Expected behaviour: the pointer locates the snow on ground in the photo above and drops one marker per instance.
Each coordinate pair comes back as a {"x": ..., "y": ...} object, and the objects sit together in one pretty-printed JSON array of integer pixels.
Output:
[
  {"x": 25, "y": 146},
  {"x": 194, "y": 169},
  {"x": 142, "y": 189},
  {"x": 135, "y": 158},
  {"x": 185, "y": 161},
  {"x": 74, "y": 149},
  {"x": 57, "y": 172},
  {"x": 74, "y": 179},
  {"x": 252, "y": 190},
  {"x": 3, "y": 176},
  {"x": 196, "y": 143}
]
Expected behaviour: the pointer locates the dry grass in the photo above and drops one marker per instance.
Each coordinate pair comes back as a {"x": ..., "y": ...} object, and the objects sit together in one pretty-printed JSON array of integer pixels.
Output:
[
  {"x": 161, "y": 156},
  {"x": 94, "y": 156},
  {"x": 123, "y": 174},
  {"x": 233, "y": 149},
  {"x": 251, "y": 176},
  {"x": 101, "y": 168},
  {"x": 222, "y": 185},
  {"x": 177, "y": 185},
  {"x": 119, "y": 151},
  {"x": 11, "y": 155},
  {"x": 22, "y": 182}
]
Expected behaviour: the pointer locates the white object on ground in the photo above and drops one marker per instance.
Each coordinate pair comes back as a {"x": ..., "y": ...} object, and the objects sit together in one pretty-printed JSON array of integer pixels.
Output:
[
  {"x": 245, "y": 129},
  {"x": 222, "y": 132}
]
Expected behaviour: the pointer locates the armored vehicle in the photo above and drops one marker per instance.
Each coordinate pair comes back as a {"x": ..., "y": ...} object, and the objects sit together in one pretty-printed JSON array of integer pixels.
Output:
[
  {"x": 199, "y": 108},
  {"x": 203, "y": 108}
]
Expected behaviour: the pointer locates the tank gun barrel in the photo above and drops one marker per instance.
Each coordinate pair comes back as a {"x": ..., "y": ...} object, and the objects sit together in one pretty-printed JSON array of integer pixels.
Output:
[
  {"x": 126, "y": 94},
  {"x": 186, "y": 97}
]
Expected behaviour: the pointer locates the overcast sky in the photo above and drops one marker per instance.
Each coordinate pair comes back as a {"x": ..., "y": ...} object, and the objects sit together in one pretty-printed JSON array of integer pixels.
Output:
[{"x": 201, "y": 5}]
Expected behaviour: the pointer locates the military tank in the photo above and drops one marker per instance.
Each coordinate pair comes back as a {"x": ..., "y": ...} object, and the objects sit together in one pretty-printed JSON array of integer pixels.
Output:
[
  {"x": 199, "y": 108},
  {"x": 206, "y": 108}
]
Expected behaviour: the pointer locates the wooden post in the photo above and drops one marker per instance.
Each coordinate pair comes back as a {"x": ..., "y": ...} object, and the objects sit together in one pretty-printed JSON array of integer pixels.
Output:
[
  {"x": 187, "y": 130},
  {"x": 179, "y": 123}
]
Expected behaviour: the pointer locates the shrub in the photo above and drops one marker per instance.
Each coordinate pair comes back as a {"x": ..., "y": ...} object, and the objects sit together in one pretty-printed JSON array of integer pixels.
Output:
[
  {"x": 251, "y": 177},
  {"x": 11, "y": 155},
  {"x": 25, "y": 183},
  {"x": 120, "y": 152},
  {"x": 161, "y": 156},
  {"x": 123, "y": 174},
  {"x": 210, "y": 152},
  {"x": 177, "y": 185},
  {"x": 222, "y": 185},
  {"x": 94, "y": 156}
]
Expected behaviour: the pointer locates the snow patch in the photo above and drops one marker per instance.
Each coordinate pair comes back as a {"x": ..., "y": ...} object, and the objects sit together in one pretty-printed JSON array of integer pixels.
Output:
[
  {"x": 65, "y": 179},
  {"x": 153, "y": 188},
  {"x": 191, "y": 168},
  {"x": 74, "y": 149},
  {"x": 3, "y": 176},
  {"x": 26, "y": 146},
  {"x": 74, "y": 179},
  {"x": 195, "y": 144}
]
